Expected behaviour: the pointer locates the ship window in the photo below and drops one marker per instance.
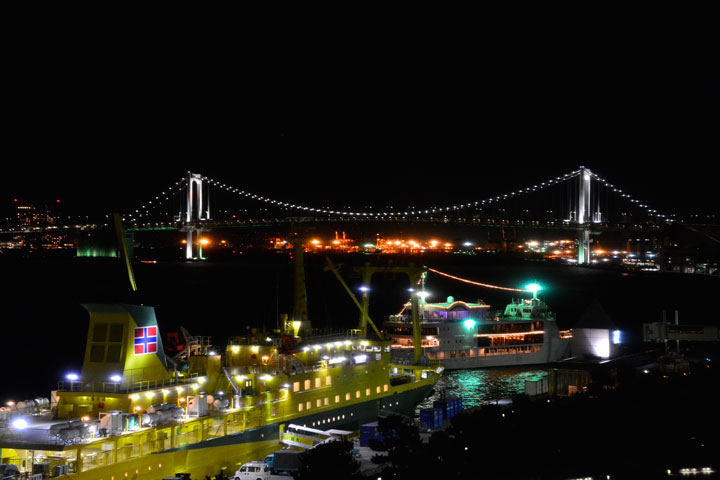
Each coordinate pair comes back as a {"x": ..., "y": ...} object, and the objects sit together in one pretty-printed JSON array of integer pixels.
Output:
[
  {"x": 337, "y": 398},
  {"x": 347, "y": 396},
  {"x": 377, "y": 389},
  {"x": 328, "y": 381},
  {"x": 327, "y": 401},
  {"x": 367, "y": 392},
  {"x": 385, "y": 387},
  {"x": 318, "y": 383},
  {"x": 296, "y": 386},
  {"x": 97, "y": 353},
  {"x": 318, "y": 403},
  {"x": 100, "y": 332},
  {"x": 116, "y": 332},
  {"x": 307, "y": 405},
  {"x": 357, "y": 394},
  {"x": 307, "y": 384},
  {"x": 300, "y": 407},
  {"x": 113, "y": 353}
]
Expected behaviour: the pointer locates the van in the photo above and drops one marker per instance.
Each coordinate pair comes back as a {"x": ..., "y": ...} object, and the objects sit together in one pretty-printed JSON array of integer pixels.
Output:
[{"x": 253, "y": 471}]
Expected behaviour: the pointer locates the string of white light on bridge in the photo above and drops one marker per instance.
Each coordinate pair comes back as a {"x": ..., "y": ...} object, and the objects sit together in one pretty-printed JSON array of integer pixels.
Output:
[
  {"x": 629, "y": 197},
  {"x": 479, "y": 203},
  {"x": 147, "y": 207}
]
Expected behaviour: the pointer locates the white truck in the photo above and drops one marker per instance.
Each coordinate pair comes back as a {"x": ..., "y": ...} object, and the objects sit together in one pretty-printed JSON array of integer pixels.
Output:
[{"x": 253, "y": 471}]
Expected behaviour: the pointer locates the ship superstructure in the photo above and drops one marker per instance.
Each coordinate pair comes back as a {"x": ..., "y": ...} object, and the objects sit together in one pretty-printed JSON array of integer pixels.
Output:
[{"x": 458, "y": 334}]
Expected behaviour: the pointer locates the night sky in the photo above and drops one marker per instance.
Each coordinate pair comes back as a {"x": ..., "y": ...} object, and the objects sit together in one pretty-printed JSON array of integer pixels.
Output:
[{"x": 307, "y": 100}]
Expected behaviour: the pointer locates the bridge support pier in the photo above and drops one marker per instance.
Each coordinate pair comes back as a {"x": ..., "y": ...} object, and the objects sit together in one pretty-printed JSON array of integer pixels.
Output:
[
  {"x": 583, "y": 246},
  {"x": 193, "y": 238}
]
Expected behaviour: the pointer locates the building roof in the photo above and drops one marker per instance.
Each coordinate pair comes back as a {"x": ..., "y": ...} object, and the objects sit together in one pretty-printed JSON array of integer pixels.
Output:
[{"x": 595, "y": 316}]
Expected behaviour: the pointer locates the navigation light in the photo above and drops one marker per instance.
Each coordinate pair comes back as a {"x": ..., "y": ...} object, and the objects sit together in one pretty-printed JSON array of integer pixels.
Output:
[{"x": 534, "y": 288}]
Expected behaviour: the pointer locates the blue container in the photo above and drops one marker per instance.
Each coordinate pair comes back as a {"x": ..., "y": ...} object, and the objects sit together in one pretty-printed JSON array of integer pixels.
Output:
[
  {"x": 443, "y": 406},
  {"x": 458, "y": 405},
  {"x": 368, "y": 432},
  {"x": 431, "y": 418}
]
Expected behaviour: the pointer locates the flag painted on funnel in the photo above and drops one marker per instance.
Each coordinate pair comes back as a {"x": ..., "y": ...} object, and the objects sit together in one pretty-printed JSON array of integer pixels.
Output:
[{"x": 145, "y": 340}]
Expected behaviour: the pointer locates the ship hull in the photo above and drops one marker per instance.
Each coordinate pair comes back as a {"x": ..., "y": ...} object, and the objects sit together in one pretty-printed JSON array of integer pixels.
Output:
[
  {"x": 554, "y": 350},
  {"x": 226, "y": 453},
  {"x": 509, "y": 360}
]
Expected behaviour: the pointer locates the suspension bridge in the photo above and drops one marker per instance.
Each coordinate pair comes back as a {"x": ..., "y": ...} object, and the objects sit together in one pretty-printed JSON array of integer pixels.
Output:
[{"x": 579, "y": 200}]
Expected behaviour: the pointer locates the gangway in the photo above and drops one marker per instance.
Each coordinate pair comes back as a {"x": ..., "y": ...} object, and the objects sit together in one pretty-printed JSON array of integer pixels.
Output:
[{"x": 307, "y": 438}]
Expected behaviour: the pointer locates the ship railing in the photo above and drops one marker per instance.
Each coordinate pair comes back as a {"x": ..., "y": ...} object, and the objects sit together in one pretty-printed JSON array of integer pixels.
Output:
[
  {"x": 171, "y": 382},
  {"x": 330, "y": 336},
  {"x": 31, "y": 436},
  {"x": 125, "y": 387}
]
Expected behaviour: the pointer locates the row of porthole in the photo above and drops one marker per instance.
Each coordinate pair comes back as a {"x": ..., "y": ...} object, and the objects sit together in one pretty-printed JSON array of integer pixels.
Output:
[
  {"x": 328, "y": 420},
  {"x": 342, "y": 417}
]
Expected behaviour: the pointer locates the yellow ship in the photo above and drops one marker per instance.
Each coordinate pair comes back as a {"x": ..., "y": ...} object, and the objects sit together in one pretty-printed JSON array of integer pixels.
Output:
[{"x": 135, "y": 412}]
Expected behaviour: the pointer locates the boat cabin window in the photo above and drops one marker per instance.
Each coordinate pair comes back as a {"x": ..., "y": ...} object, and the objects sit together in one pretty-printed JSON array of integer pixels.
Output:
[
  {"x": 116, "y": 332},
  {"x": 99, "y": 332},
  {"x": 97, "y": 353}
]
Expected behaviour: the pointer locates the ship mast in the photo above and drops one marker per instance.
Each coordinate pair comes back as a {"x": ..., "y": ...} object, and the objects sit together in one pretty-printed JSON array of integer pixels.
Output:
[{"x": 300, "y": 310}]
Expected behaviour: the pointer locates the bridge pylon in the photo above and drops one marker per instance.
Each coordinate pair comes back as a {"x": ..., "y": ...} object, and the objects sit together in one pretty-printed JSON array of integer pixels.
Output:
[
  {"x": 197, "y": 210},
  {"x": 585, "y": 216}
]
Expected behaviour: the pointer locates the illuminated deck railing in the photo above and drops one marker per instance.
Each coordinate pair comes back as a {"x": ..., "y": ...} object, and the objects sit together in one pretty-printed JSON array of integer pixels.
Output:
[{"x": 122, "y": 387}]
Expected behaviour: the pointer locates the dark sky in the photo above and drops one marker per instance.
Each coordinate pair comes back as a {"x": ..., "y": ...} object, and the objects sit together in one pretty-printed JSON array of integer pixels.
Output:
[{"x": 107, "y": 107}]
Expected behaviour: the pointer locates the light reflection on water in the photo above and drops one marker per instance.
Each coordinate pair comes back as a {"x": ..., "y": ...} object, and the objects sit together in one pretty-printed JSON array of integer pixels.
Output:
[{"x": 484, "y": 385}]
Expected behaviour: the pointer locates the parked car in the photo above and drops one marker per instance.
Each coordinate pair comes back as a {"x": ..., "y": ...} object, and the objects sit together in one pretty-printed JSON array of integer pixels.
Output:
[{"x": 253, "y": 471}]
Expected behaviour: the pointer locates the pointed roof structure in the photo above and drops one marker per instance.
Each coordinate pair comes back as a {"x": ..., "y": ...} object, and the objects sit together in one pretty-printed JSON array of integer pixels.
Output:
[{"x": 595, "y": 316}]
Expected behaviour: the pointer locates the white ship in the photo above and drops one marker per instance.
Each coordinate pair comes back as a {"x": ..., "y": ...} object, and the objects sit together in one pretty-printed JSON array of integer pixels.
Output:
[{"x": 458, "y": 334}]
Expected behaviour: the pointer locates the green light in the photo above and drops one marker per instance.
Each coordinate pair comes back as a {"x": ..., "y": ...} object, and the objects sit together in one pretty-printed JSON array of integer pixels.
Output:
[
  {"x": 534, "y": 288},
  {"x": 469, "y": 323}
]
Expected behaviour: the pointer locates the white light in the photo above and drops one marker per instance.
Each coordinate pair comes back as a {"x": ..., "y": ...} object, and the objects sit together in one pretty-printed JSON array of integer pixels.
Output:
[
  {"x": 19, "y": 424},
  {"x": 116, "y": 378},
  {"x": 360, "y": 358},
  {"x": 72, "y": 376}
]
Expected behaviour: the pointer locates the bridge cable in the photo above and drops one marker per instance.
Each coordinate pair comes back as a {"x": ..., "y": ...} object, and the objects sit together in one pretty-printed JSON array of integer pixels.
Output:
[{"x": 429, "y": 211}]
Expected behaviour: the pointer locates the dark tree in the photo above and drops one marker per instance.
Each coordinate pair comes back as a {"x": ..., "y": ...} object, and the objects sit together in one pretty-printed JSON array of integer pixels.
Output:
[{"x": 329, "y": 461}]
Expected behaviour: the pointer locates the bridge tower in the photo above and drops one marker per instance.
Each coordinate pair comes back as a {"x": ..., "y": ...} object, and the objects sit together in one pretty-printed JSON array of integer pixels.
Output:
[
  {"x": 585, "y": 216},
  {"x": 197, "y": 210}
]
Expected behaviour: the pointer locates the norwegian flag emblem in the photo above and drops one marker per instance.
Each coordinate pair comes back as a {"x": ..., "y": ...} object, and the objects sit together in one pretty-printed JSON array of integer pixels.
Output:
[{"x": 145, "y": 340}]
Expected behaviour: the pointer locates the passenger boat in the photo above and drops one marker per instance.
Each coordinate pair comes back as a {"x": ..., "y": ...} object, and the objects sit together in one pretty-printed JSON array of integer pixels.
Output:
[
  {"x": 137, "y": 412},
  {"x": 459, "y": 334}
]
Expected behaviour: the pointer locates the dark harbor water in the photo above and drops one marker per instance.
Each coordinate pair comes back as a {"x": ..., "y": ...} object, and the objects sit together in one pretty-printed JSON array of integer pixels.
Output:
[
  {"x": 484, "y": 385},
  {"x": 45, "y": 326}
]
